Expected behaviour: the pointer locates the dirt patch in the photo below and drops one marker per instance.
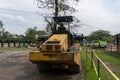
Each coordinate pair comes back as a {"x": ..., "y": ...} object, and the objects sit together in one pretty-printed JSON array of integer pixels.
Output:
[
  {"x": 83, "y": 71},
  {"x": 15, "y": 65}
]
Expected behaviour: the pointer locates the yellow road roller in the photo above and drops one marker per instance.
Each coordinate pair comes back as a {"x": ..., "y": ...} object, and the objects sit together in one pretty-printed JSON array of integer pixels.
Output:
[{"x": 60, "y": 49}]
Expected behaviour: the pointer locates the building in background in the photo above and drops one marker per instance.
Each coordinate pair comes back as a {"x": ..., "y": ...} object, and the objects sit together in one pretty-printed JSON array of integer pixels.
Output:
[{"x": 118, "y": 42}]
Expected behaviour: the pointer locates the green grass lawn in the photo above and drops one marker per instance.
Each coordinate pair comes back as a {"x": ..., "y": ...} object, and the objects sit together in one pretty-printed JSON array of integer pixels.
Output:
[
  {"x": 90, "y": 74},
  {"x": 112, "y": 59}
]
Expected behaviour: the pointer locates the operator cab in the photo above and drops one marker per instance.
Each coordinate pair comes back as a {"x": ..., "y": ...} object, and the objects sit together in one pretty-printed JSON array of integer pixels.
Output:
[{"x": 61, "y": 29}]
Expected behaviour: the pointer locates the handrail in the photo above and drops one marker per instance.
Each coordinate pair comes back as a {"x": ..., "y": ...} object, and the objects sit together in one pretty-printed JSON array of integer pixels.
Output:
[
  {"x": 99, "y": 61},
  {"x": 93, "y": 65},
  {"x": 106, "y": 67}
]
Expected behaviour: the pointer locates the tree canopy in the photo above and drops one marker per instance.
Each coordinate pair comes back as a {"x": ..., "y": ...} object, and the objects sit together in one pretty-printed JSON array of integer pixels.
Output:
[
  {"x": 32, "y": 33},
  {"x": 1, "y": 24},
  {"x": 58, "y": 8},
  {"x": 4, "y": 33},
  {"x": 61, "y": 7},
  {"x": 1, "y": 29},
  {"x": 100, "y": 35}
]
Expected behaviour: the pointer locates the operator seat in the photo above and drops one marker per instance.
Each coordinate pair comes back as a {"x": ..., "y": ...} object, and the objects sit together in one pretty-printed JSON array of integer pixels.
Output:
[{"x": 62, "y": 30}]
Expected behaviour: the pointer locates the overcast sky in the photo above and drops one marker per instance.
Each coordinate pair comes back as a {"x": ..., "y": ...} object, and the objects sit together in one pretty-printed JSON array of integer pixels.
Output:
[{"x": 93, "y": 14}]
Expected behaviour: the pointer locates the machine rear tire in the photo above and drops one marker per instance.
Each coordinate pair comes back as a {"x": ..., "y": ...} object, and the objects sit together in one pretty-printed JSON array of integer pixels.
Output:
[
  {"x": 43, "y": 67},
  {"x": 74, "y": 68}
]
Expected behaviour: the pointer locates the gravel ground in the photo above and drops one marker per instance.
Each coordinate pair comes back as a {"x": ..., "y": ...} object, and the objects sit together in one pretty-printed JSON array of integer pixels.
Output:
[{"x": 15, "y": 65}]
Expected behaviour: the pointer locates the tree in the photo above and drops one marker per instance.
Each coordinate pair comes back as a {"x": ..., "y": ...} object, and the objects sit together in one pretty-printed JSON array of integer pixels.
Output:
[
  {"x": 1, "y": 29},
  {"x": 6, "y": 34},
  {"x": 100, "y": 35},
  {"x": 58, "y": 8},
  {"x": 31, "y": 33}
]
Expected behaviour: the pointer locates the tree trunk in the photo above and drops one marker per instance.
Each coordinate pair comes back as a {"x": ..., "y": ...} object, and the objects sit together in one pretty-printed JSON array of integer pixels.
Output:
[{"x": 56, "y": 13}]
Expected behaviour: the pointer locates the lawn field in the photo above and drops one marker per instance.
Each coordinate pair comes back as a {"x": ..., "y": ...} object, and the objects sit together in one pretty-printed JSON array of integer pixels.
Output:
[{"x": 111, "y": 60}]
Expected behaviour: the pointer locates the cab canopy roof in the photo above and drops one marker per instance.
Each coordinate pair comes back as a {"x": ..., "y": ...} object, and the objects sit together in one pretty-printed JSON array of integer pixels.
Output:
[{"x": 63, "y": 19}]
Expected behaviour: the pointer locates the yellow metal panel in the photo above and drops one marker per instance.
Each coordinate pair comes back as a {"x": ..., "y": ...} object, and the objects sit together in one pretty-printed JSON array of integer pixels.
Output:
[
  {"x": 63, "y": 45},
  {"x": 62, "y": 58},
  {"x": 77, "y": 58},
  {"x": 58, "y": 37}
]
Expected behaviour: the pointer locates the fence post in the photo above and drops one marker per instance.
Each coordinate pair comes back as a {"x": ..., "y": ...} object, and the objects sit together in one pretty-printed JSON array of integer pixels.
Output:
[
  {"x": 19, "y": 44},
  {"x": 81, "y": 50},
  {"x": 96, "y": 51},
  {"x": 9, "y": 43},
  {"x": 98, "y": 69},
  {"x": 111, "y": 49},
  {"x": 86, "y": 54},
  {"x": 91, "y": 60},
  {"x": 2, "y": 44}
]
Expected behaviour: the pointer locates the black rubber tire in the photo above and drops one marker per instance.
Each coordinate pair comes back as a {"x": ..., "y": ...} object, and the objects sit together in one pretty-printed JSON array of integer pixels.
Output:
[
  {"x": 43, "y": 67},
  {"x": 74, "y": 68}
]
